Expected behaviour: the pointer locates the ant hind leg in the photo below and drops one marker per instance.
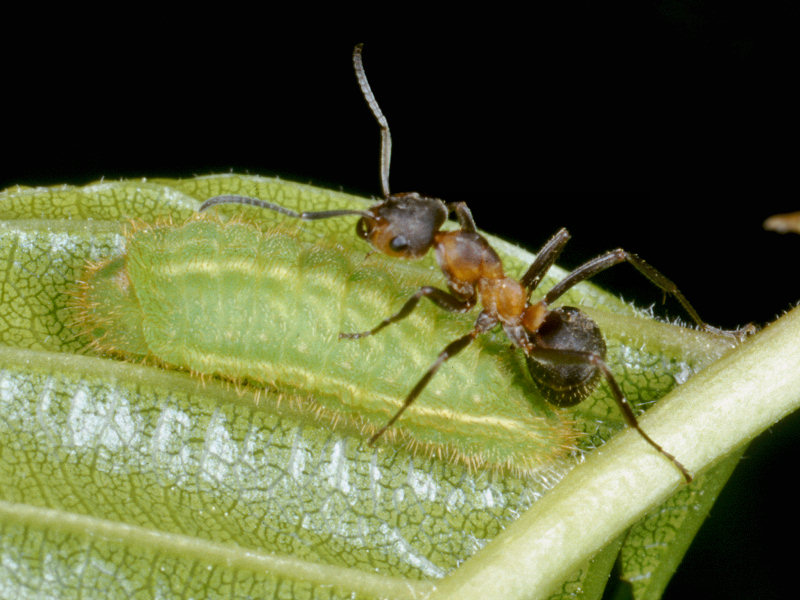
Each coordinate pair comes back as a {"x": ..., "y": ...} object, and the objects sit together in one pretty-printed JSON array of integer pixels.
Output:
[
  {"x": 566, "y": 355},
  {"x": 600, "y": 263}
]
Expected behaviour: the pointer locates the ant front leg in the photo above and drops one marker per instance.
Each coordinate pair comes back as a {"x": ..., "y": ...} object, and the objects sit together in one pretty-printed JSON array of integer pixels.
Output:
[
  {"x": 463, "y": 215},
  {"x": 615, "y": 257},
  {"x": 484, "y": 323},
  {"x": 567, "y": 355},
  {"x": 447, "y": 301}
]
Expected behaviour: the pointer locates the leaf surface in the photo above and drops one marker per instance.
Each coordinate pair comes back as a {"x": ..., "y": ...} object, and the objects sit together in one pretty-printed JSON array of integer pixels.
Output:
[{"x": 132, "y": 479}]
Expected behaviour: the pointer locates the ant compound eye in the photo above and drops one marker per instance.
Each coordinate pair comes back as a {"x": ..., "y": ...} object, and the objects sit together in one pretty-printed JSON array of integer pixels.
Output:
[
  {"x": 399, "y": 243},
  {"x": 362, "y": 230}
]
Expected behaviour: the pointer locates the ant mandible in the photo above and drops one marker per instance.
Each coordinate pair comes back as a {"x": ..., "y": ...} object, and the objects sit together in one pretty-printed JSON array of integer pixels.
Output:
[{"x": 564, "y": 348}]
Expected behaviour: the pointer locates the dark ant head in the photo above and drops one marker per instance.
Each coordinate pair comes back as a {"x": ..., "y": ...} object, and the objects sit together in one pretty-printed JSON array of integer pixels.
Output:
[{"x": 403, "y": 225}]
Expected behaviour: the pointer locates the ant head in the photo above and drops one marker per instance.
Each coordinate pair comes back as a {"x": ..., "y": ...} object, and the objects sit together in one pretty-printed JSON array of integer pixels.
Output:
[{"x": 403, "y": 225}]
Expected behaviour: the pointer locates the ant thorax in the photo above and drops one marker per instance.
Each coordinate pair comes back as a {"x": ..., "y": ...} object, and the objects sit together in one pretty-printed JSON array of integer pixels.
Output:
[{"x": 466, "y": 258}]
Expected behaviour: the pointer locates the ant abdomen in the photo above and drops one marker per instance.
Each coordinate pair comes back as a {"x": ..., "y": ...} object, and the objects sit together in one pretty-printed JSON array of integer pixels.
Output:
[{"x": 562, "y": 381}]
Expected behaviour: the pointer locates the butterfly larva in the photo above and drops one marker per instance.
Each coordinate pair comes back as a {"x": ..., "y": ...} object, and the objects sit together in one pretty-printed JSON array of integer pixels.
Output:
[{"x": 265, "y": 309}]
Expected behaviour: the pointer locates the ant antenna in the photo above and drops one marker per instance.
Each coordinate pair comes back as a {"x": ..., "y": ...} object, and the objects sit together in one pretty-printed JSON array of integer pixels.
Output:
[
  {"x": 305, "y": 216},
  {"x": 386, "y": 137}
]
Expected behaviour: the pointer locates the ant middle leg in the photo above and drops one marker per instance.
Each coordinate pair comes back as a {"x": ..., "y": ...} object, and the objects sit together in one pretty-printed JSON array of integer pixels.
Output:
[
  {"x": 484, "y": 323},
  {"x": 545, "y": 259},
  {"x": 570, "y": 356},
  {"x": 446, "y": 300},
  {"x": 615, "y": 257}
]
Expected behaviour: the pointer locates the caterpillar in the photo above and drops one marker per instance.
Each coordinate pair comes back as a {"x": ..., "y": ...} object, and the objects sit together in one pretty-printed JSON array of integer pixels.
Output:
[{"x": 264, "y": 308}]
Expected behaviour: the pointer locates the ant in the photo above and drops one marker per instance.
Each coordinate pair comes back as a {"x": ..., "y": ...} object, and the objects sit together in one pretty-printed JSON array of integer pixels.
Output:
[{"x": 564, "y": 349}]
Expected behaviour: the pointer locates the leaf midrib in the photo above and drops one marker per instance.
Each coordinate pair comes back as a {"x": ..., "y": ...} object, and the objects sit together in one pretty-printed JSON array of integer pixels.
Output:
[{"x": 225, "y": 555}]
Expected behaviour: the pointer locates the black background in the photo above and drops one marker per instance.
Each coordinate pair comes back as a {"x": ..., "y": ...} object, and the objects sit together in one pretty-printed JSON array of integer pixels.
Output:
[{"x": 669, "y": 130}]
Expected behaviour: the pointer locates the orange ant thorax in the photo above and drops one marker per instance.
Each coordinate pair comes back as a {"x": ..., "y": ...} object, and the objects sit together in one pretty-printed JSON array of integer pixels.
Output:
[
  {"x": 465, "y": 258},
  {"x": 504, "y": 297},
  {"x": 472, "y": 267},
  {"x": 534, "y": 315}
]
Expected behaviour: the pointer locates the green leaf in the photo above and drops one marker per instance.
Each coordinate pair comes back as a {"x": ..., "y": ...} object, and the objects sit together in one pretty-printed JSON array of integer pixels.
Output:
[
  {"x": 654, "y": 546},
  {"x": 131, "y": 479}
]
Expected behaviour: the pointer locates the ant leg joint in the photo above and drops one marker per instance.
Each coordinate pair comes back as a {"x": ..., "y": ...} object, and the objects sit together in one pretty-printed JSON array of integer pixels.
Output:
[{"x": 440, "y": 298}]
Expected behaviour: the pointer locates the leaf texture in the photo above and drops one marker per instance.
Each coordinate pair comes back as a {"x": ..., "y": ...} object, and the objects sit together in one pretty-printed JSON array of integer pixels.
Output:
[{"x": 143, "y": 481}]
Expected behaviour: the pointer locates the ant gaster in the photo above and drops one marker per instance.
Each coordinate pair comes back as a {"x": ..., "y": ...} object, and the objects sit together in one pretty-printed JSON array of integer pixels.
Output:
[{"x": 564, "y": 348}]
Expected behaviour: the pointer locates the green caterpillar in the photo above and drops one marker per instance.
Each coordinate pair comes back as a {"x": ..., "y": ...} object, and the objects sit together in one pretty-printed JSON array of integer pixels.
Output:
[{"x": 265, "y": 308}]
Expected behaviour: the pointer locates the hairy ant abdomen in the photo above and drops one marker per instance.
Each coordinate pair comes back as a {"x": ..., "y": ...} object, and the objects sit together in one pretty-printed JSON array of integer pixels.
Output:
[{"x": 564, "y": 383}]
